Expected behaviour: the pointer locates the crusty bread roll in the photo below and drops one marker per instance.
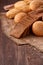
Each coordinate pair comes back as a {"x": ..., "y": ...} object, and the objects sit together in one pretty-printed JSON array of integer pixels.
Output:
[
  {"x": 37, "y": 28},
  {"x": 35, "y": 4},
  {"x": 11, "y": 13},
  {"x": 18, "y": 17},
  {"x": 19, "y": 4},
  {"x": 26, "y": 9},
  {"x": 28, "y": 1},
  {"x": 22, "y": 6}
]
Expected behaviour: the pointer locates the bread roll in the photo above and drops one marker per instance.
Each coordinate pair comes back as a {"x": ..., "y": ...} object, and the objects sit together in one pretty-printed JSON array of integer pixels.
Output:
[
  {"x": 28, "y": 1},
  {"x": 26, "y": 9},
  {"x": 11, "y": 13},
  {"x": 19, "y": 17},
  {"x": 22, "y": 6},
  {"x": 37, "y": 28},
  {"x": 35, "y": 4}
]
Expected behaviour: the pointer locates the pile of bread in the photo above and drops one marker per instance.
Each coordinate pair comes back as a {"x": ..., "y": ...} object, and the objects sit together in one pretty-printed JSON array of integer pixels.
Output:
[{"x": 26, "y": 14}]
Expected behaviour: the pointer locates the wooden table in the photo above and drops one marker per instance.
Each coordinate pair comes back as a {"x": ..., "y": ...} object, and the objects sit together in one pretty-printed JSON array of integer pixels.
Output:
[{"x": 12, "y": 54}]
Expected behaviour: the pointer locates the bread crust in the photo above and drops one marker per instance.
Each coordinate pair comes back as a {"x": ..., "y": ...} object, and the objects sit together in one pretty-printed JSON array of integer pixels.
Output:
[
  {"x": 19, "y": 4},
  {"x": 35, "y": 4},
  {"x": 37, "y": 28},
  {"x": 28, "y": 1},
  {"x": 19, "y": 17},
  {"x": 11, "y": 13},
  {"x": 22, "y": 6}
]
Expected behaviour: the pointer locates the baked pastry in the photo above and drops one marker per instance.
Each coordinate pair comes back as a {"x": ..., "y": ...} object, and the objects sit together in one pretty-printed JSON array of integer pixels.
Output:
[
  {"x": 37, "y": 28},
  {"x": 18, "y": 17},
  {"x": 35, "y": 4},
  {"x": 19, "y": 4},
  {"x": 22, "y": 6},
  {"x": 28, "y": 1},
  {"x": 11, "y": 13},
  {"x": 26, "y": 9}
]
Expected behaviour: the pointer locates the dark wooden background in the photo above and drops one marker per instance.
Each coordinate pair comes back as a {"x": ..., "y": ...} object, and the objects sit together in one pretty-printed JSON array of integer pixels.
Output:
[
  {"x": 5, "y": 2},
  {"x": 11, "y": 54}
]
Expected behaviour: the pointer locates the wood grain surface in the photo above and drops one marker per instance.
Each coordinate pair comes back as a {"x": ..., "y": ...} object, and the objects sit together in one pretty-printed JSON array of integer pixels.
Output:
[{"x": 11, "y": 54}]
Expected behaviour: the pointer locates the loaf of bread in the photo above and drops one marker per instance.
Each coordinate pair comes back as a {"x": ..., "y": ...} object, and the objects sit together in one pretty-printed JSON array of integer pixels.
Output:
[
  {"x": 35, "y": 4},
  {"x": 19, "y": 4},
  {"x": 11, "y": 13},
  {"x": 19, "y": 17},
  {"x": 22, "y": 6},
  {"x": 26, "y": 9},
  {"x": 37, "y": 28},
  {"x": 28, "y": 1}
]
